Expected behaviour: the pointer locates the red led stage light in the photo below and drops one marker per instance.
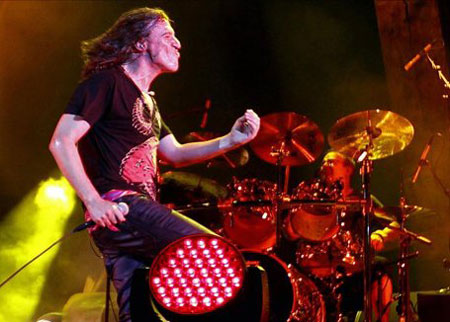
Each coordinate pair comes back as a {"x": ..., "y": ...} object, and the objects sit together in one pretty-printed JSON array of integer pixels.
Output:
[{"x": 197, "y": 274}]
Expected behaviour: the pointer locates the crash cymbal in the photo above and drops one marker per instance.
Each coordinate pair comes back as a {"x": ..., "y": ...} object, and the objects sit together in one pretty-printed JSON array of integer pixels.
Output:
[
  {"x": 232, "y": 159},
  {"x": 391, "y": 133},
  {"x": 203, "y": 187},
  {"x": 300, "y": 138}
]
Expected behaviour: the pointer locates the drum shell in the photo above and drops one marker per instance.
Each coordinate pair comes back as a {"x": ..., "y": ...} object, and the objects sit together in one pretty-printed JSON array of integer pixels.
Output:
[
  {"x": 292, "y": 295},
  {"x": 342, "y": 254},
  {"x": 251, "y": 227},
  {"x": 314, "y": 223}
]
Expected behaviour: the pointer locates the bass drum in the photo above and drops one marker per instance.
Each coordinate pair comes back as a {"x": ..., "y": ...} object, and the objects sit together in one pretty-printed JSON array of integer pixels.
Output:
[{"x": 292, "y": 296}]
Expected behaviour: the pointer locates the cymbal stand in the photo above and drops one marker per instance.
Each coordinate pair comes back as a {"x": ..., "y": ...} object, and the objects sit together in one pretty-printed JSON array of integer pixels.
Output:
[
  {"x": 366, "y": 171},
  {"x": 446, "y": 85},
  {"x": 404, "y": 308},
  {"x": 280, "y": 154}
]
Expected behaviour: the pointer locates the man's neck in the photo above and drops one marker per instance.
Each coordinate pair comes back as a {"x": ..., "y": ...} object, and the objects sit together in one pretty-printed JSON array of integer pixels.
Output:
[{"x": 142, "y": 71}]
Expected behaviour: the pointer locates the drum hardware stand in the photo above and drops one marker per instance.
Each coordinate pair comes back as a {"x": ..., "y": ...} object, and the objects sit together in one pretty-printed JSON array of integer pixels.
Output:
[
  {"x": 366, "y": 171},
  {"x": 334, "y": 284},
  {"x": 404, "y": 307},
  {"x": 280, "y": 154}
]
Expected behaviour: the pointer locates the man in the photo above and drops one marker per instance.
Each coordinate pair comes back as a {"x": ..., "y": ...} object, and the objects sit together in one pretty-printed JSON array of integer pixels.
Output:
[
  {"x": 339, "y": 167},
  {"x": 336, "y": 172},
  {"x": 107, "y": 140}
]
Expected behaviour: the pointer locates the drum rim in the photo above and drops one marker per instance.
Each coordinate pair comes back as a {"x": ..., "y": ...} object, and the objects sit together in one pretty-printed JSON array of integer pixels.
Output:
[{"x": 291, "y": 270}]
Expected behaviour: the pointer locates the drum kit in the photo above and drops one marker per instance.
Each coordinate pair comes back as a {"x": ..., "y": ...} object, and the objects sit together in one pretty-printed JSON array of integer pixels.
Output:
[{"x": 260, "y": 216}]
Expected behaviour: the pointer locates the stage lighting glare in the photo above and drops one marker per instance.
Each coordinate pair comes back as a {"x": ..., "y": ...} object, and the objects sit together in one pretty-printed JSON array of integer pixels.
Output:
[
  {"x": 214, "y": 278},
  {"x": 37, "y": 221},
  {"x": 55, "y": 193}
]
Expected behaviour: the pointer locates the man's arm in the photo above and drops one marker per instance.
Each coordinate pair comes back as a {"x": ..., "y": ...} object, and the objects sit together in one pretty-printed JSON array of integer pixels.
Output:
[
  {"x": 244, "y": 130},
  {"x": 63, "y": 146}
]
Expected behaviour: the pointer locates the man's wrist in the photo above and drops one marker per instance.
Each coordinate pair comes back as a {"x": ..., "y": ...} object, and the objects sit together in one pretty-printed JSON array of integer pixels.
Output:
[
  {"x": 88, "y": 201},
  {"x": 225, "y": 142}
]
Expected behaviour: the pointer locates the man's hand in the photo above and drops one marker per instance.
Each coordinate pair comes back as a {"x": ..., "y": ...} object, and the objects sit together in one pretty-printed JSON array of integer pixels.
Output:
[
  {"x": 245, "y": 128},
  {"x": 377, "y": 241},
  {"x": 105, "y": 213}
]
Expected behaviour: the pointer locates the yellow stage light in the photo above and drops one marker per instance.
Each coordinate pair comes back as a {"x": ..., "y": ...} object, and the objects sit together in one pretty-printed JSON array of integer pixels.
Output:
[{"x": 29, "y": 228}]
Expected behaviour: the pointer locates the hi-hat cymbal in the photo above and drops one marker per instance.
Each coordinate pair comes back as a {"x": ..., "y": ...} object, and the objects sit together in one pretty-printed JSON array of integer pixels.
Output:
[
  {"x": 231, "y": 159},
  {"x": 394, "y": 213},
  {"x": 391, "y": 133},
  {"x": 300, "y": 138}
]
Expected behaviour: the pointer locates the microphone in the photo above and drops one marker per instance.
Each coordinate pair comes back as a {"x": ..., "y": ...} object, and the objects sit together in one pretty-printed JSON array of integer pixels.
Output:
[
  {"x": 123, "y": 208},
  {"x": 417, "y": 57},
  {"x": 423, "y": 157}
]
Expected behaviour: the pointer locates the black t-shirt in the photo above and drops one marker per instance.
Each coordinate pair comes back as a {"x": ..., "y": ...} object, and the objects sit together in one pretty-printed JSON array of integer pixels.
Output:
[{"x": 119, "y": 151}]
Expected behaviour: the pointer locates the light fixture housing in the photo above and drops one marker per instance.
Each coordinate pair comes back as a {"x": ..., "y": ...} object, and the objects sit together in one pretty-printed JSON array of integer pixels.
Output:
[{"x": 197, "y": 274}]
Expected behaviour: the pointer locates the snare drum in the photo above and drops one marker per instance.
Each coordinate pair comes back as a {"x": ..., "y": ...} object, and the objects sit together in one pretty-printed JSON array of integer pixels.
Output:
[
  {"x": 251, "y": 226},
  {"x": 314, "y": 222},
  {"x": 292, "y": 296}
]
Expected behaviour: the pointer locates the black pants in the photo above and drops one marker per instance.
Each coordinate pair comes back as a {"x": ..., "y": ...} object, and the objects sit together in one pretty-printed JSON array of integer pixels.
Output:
[{"x": 148, "y": 228}]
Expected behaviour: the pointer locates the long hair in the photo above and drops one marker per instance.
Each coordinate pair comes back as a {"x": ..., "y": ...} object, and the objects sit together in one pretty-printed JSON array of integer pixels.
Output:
[{"x": 116, "y": 45}]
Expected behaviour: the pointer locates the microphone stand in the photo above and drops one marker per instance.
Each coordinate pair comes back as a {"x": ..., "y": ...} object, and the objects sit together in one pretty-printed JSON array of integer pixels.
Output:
[
  {"x": 280, "y": 154},
  {"x": 438, "y": 180},
  {"x": 446, "y": 85},
  {"x": 441, "y": 75},
  {"x": 75, "y": 230}
]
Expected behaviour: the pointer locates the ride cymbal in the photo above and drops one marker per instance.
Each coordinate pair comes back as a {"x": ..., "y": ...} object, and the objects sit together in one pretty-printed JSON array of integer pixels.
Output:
[
  {"x": 296, "y": 135},
  {"x": 391, "y": 133}
]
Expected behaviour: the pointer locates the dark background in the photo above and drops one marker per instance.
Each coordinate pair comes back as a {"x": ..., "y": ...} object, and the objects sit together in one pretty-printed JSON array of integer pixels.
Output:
[{"x": 321, "y": 59}]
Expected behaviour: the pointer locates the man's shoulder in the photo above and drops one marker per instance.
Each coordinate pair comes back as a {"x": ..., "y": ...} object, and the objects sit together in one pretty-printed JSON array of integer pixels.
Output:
[{"x": 108, "y": 76}]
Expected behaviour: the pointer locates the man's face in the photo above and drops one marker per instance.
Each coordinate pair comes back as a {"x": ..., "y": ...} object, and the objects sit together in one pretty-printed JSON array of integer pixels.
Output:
[
  {"x": 334, "y": 169},
  {"x": 163, "y": 47}
]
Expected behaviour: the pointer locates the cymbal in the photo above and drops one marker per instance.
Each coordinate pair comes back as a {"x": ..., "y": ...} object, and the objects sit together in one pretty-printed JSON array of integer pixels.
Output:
[
  {"x": 203, "y": 187},
  {"x": 232, "y": 159},
  {"x": 392, "y": 133},
  {"x": 300, "y": 137},
  {"x": 394, "y": 213}
]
